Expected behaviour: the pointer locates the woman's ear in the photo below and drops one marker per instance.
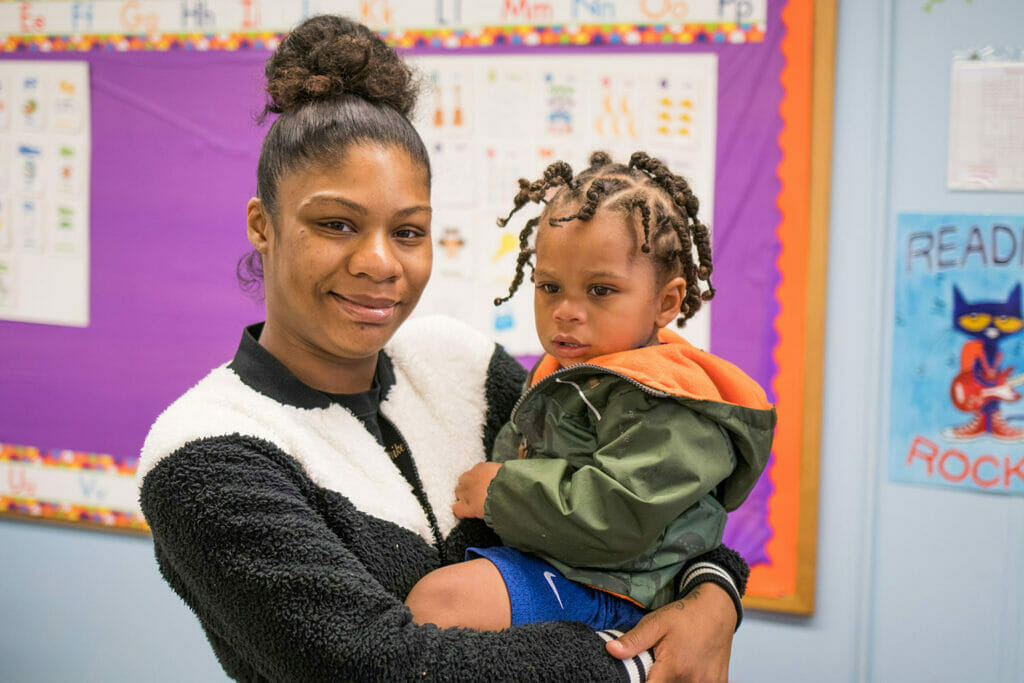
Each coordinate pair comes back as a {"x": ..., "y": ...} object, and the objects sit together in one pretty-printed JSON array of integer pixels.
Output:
[
  {"x": 670, "y": 298},
  {"x": 257, "y": 225}
]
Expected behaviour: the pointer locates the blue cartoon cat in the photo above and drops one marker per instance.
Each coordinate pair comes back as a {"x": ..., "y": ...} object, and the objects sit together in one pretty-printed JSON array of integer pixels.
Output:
[{"x": 983, "y": 384}]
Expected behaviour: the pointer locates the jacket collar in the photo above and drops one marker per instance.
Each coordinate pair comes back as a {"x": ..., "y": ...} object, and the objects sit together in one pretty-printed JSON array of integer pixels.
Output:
[
  {"x": 259, "y": 370},
  {"x": 676, "y": 367}
]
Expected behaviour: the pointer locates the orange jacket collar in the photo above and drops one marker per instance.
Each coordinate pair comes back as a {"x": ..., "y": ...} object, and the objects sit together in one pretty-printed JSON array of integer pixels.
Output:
[{"x": 678, "y": 368}]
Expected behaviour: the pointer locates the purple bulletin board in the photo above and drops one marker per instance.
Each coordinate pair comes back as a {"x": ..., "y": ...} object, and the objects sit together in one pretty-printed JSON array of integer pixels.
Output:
[{"x": 174, "y": 153}]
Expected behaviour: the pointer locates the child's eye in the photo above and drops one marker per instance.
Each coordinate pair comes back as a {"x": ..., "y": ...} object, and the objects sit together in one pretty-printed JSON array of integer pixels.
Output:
[
  {"x": 547, "y": 288},
  {"x": 601, "y": 290}
]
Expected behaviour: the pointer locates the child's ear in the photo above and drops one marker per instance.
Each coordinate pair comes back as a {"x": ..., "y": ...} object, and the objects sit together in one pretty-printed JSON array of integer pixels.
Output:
[
  {"x": 257, "y": 225},
  {"x": 670, "y": 299}
]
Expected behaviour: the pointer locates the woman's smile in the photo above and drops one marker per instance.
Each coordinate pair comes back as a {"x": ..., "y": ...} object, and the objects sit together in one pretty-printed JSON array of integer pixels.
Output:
[{"x": 367, "y": 309}]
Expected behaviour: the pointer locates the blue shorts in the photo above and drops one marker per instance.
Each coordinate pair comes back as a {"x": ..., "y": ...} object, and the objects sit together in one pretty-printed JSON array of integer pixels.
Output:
[{"x": 538, "y": 592}]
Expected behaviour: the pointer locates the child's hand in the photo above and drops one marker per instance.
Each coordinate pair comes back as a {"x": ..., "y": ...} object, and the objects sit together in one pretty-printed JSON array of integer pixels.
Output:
[{"x": 471, "y": 491}]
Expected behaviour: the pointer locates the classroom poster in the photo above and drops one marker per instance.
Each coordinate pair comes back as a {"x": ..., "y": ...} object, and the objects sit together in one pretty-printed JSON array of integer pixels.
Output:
[
  {"x": 44, "y": 192},
  {"x": 956, "y": 414}
]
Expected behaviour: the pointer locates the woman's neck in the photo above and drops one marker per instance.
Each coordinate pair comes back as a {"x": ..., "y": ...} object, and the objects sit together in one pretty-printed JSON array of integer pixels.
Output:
[{"x": 314, "y": 368}]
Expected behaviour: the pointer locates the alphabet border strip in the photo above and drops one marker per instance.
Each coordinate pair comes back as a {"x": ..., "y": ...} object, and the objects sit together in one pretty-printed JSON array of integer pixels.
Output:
[
  {"x": 18, "y": 461},
  {"x": 594, "y": 35}
]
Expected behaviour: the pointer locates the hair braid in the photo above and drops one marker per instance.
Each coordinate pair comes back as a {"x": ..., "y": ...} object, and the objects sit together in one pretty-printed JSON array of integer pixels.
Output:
[
  {"x": 645, "y": 213},
  {"x": 557, "y": 173},
  {"x": 692, "y": 298},
  {"x": 522, "y": 260},
  {"x": 600, "y": 158},
  {"x": 672, "y": 233},
  {"x": 703, "y": 244},
  {"x": 518, "y": 202},
  {"x": 598, "y": 190},
  {"x": 698, "y": 236}
]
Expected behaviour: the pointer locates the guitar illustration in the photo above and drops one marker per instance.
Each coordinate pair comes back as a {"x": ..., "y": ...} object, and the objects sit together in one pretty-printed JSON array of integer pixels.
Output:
[{"x": 968, "y": 394}]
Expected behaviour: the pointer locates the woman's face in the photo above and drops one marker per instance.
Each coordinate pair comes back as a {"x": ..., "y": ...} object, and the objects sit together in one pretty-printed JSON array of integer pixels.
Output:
[{"x": 347, "y": 253}]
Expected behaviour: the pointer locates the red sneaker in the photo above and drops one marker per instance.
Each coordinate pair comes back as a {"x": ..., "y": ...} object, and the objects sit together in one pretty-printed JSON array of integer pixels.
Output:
[
  {"x": 1001, "y": 429},
  {"x": 972, "y": 429}
]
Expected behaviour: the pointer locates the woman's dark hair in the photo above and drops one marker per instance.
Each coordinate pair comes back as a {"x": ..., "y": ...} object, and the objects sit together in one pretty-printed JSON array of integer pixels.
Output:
[
  {"x": 666, "y": 206},
  {"x": 333, "y": 83}
]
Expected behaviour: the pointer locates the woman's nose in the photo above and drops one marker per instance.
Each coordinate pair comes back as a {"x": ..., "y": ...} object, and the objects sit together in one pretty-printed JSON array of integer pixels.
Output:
[{"x": 373, "y": 257}]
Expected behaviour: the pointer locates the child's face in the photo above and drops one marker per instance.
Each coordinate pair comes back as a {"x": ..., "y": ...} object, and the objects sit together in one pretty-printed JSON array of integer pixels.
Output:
[{"x": 595, "y": 292}]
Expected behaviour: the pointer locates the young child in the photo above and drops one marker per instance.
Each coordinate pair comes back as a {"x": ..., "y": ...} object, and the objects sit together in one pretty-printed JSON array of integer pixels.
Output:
[{"x": 629, "y": 445}]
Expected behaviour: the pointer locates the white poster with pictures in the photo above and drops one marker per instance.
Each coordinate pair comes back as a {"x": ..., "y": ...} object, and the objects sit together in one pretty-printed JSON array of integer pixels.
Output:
[
  {"x": 492, "y": 120},
  {"x": 44, "y": 192}
]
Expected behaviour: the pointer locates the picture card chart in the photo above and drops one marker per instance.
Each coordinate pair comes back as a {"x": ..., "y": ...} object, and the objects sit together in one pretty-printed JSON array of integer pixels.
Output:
[
  {"x": 492, "y": 120},
  {"x": 44, "y": 192},
  {"x": 986, "y": 126}
]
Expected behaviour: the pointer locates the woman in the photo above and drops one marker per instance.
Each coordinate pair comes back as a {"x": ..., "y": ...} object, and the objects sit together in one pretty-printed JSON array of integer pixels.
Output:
[{"x": 298, "y": 493}]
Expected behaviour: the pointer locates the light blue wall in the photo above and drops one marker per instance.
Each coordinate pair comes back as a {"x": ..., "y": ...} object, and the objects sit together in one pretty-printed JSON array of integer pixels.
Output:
[
  {"x": 948, "y": 599},
  {"x": 913, "y": 584},
  {"x": 90, "y": 606}
]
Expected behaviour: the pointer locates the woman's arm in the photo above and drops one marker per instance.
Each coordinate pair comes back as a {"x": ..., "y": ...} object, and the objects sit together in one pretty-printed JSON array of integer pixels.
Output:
[{"x": 292, "y": 583}]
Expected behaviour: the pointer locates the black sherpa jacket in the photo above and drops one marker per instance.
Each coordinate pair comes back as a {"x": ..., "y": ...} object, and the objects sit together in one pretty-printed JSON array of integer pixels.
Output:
[{"x": 289, "y": 531}]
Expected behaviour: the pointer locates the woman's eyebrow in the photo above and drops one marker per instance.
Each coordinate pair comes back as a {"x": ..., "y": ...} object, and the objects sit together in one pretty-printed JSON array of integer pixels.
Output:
[
  {"x": 347, "y": 203},
  {"x": 362, "y": 210},
  {"x": 408, "y": 211}
]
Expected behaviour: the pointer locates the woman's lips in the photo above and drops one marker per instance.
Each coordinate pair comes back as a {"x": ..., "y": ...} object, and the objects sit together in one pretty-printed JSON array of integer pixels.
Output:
[{"x": 367, "y": 309}]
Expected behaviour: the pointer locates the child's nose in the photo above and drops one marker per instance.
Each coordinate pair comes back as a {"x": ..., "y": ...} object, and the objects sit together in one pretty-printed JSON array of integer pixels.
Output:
[{"x": 568, "y": 310}]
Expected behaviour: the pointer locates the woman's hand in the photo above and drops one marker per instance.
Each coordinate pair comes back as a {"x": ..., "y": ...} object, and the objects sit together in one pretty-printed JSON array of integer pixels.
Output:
[
  {"x": 471, "y": 491},
  {"x": 691, "y": 637}
]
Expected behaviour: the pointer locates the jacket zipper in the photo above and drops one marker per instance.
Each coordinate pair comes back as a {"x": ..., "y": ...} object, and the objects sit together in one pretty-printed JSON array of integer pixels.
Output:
[
  {"x": 419, "y": 491},
  {"x": 562, "y": 372}
]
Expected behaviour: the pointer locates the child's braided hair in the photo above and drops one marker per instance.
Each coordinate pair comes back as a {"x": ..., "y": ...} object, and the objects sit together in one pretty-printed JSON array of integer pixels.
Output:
[{"x": 664, "y": 202}]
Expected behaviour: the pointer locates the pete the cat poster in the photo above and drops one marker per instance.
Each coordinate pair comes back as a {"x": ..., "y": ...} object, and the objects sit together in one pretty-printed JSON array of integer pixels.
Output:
[{"x": 956, "y": 416}]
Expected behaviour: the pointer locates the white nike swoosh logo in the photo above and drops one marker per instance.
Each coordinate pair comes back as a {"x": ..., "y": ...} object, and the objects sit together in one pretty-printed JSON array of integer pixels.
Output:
[{"x": 549, "y": 576}]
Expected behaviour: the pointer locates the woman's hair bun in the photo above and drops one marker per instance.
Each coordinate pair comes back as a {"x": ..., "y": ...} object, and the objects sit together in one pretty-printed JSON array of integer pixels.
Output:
[{"x": 328, "y": 56}]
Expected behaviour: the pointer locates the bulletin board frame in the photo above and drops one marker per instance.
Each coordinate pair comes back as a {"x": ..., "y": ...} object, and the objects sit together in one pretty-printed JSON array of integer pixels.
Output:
[{"x": 803, "y": 174}]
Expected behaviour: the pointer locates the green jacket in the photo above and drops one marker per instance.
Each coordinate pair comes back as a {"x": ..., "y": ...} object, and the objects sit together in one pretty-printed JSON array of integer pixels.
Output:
[{"x": 620, "y": 470}]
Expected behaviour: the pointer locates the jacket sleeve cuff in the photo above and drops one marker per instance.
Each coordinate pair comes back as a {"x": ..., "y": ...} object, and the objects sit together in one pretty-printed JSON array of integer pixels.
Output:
[
  {"x": 707, "y": 572},
  {"x": 634, "y": 670}
]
